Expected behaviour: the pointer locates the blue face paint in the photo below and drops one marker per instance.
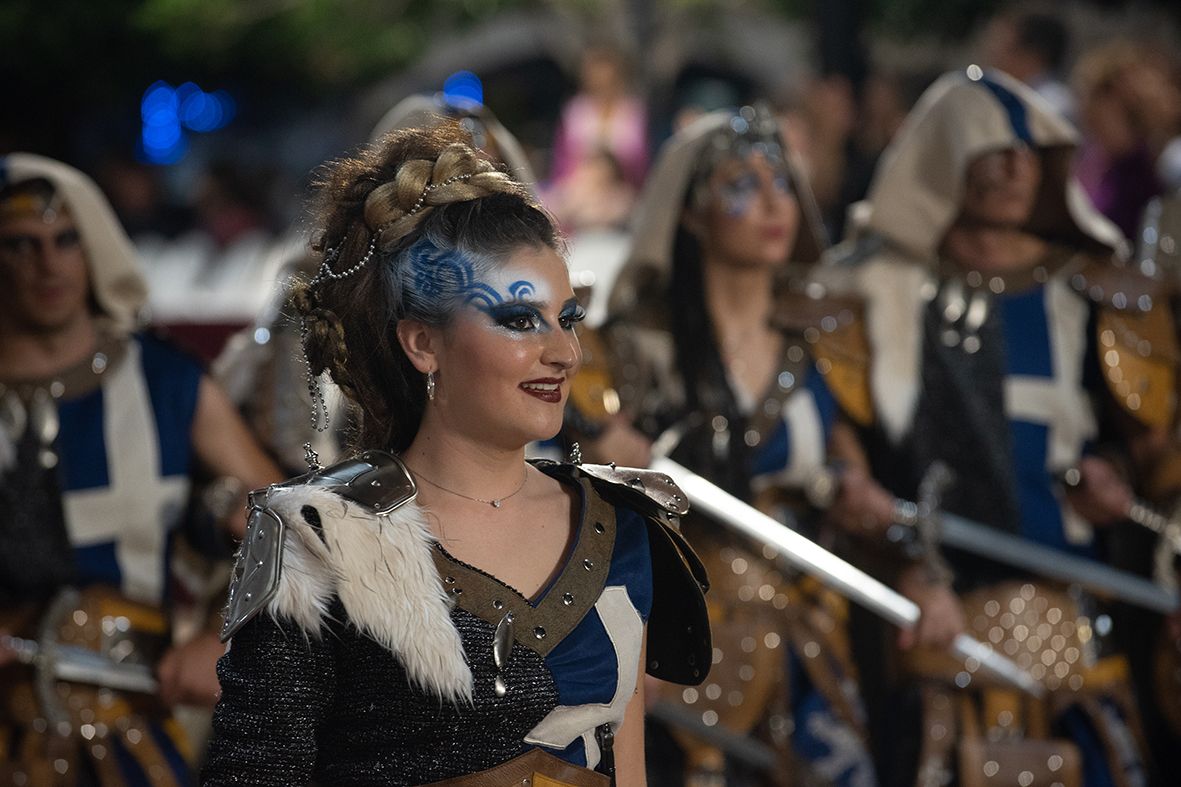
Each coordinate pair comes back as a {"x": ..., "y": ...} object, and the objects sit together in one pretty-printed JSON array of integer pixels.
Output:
[
  {"x": 484, "y": 296},
  {"x": 445, "y": 280},
  {"x": 739, "y": 191},
  {"x": 439, "y": 276}
]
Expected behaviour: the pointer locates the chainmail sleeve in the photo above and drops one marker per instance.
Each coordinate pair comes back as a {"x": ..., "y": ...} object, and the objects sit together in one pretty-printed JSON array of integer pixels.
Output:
[{"x": 276, "y": 683}]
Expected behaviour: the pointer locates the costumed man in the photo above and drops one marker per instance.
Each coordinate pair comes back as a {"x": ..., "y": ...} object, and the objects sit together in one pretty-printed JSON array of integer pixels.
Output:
[
  {"x": 1008, "y": 344},
  {"x": 705, "y": 340},
  {"x": 102, "y": 425},
  {"x": 261, "y": 367}
]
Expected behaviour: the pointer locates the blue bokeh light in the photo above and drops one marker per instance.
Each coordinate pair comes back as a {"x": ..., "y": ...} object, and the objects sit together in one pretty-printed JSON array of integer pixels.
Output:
[
  {"x": 166, "y": 111},
  {"x": 201, "y": 112},
  {"x": 463, "y": 87}
]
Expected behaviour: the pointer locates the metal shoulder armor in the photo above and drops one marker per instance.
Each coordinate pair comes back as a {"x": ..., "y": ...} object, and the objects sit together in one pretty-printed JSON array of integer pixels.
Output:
[
  {"x": 375, "y": 480},
  {"x": 647, "y": 488}
]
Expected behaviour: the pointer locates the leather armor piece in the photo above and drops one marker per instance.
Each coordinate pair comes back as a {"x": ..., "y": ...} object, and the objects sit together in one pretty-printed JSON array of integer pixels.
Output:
[
  {"x": 835, "y": 329},
  {"x": 680, "y": 649},
  {"x": 1138, "y": 349},
  {"x": 1138, "y": 355}
]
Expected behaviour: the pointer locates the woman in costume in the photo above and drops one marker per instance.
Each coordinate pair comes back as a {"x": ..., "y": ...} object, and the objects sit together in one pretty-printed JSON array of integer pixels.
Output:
[
  {"x": 712, "y": 349},
  {"x": 260, "y": 366},
  {"x": 446, "y": 611}
]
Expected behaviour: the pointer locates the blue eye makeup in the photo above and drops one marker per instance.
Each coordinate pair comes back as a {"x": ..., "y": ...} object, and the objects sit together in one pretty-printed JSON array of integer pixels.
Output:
[
  {"x": 572, "y": 314},
  {"x": 520, "y": 316},
  {"x": 738, "y": 193},
  {"x": 516, "y": 316}
]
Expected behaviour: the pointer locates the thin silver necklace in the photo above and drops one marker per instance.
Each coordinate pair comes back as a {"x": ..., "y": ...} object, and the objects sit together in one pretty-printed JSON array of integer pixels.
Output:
[{"x": 495, "y": 502}]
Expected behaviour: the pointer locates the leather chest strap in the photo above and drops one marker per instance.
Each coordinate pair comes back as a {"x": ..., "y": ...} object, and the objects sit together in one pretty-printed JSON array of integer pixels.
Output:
[{"x": 540, "y": 628}]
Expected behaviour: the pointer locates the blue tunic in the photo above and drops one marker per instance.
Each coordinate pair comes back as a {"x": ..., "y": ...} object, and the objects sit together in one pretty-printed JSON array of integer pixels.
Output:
[
  {"x": 126, "y": 454},
  {"x": 1048, "y": 408}
]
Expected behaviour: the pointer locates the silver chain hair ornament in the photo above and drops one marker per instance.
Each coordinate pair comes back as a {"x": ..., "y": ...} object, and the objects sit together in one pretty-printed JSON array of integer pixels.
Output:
[
  {"x": 432, "y": 186},
  {"x": 319, "y": 414}
]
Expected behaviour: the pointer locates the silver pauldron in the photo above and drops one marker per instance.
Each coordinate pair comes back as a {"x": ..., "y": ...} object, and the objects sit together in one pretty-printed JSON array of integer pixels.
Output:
[
  {"x": 657, "y": 487},
  {"x": 376, "y": 480}
]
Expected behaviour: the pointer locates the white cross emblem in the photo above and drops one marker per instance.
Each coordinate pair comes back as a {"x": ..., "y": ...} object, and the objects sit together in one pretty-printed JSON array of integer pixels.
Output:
[{"x": 137, "y": 508}]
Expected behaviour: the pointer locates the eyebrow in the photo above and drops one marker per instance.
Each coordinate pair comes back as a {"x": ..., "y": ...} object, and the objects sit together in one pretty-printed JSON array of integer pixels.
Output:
[{"x": 499, "y": 310}]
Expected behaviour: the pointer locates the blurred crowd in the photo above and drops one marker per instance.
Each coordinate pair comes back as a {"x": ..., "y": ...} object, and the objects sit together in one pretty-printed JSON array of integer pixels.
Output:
[
  {"x": 210, "y": 252},
  {"x": 215, "y": 270}
]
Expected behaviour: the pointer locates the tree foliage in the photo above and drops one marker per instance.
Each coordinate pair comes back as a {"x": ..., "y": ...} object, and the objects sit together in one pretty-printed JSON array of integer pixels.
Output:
[{"x": 322, "y": 42}]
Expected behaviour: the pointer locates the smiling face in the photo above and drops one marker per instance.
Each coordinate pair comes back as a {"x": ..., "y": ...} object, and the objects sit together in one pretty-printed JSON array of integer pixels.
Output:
[
  {"x": 750, "y": 216},
  {"x": 506, "y": 357},
  {"x": 43, "y": 265}
]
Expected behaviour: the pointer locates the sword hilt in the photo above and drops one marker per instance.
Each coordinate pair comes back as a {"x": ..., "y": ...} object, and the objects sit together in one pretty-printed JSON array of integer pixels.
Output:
[
  {"x": 931, "y": 488},
  {"x": 921, "y": 518},
  {"x": 1139, "y": 512},
  {"x": 1152, "y": 518}
]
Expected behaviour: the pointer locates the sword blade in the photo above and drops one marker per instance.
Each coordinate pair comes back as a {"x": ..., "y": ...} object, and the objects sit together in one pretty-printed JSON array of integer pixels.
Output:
[
  {"x": 962, "y": 533},
  {"x": 123, "y": 677},
  {"x": 842, "y": 576},
  {"x": 79, "y": 665}
]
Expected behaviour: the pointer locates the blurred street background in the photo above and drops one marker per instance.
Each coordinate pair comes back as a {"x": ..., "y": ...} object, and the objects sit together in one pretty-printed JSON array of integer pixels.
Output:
[{"x": 204, "y": 120}]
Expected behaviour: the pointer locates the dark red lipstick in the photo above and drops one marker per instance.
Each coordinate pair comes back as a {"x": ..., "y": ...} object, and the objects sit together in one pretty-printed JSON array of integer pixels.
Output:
[{"x": 547, "y": 389}]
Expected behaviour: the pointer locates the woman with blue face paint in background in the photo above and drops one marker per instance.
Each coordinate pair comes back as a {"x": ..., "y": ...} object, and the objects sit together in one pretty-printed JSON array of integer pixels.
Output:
[
  {"x": 708, "y": 348},
  {"x": 435, "y": 608}
]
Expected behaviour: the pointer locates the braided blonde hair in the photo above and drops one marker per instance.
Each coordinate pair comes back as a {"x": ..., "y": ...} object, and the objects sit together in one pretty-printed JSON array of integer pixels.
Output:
[{"x": 416, "y": 187}]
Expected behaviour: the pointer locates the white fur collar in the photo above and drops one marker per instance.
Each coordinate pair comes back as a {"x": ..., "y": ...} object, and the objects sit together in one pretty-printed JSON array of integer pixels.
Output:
[{"x": 382, "y": 570}]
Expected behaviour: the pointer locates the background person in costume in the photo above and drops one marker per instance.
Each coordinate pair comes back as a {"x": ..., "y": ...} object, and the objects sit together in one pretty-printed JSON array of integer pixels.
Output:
[
  {"x": 998, "y": 324},
  {"x": 603, "y": 116},
  {"x": 449, "y": 610},
  {"x": 706, "y": 340},
  {"x": 1130, "y": 103},
  {"x": 102, "y": 428}
]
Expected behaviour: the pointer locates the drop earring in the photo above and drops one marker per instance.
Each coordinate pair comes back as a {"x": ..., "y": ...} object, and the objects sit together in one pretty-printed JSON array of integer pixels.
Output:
[{"x": 430, "y": 386}]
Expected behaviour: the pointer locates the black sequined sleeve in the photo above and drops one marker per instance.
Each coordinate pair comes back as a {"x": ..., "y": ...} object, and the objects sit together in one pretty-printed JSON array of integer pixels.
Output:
[{"x": 275, "y": 686}]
